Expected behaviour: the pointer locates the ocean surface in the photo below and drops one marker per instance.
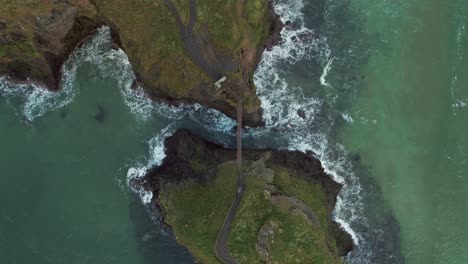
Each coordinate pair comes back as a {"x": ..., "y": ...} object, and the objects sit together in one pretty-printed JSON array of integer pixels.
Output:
[{"x": 383, "y": 86}]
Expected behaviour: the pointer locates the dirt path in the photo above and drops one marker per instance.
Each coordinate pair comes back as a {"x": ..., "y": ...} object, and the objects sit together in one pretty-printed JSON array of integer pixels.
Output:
[
  {"x": 193, "y": 47},
  {"x": 192, "y": 43},
  {"x": 221, "y": 247}
]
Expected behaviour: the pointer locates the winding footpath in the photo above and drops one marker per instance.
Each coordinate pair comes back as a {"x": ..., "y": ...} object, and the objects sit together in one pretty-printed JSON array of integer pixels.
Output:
[
  {"x": 191, "y": 42},
  {"x": 221, "y": 247},
  {"x": 192, "y": 46}
]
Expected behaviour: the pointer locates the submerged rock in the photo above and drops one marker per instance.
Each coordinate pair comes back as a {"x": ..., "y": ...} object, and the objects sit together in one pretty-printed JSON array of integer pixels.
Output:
[
  {"x": 100, "y": 114},
  {"x": 63, "y": 113}
]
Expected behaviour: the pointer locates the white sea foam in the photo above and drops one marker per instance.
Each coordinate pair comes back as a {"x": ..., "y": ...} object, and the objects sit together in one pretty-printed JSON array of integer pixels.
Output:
[
  {"x": 37, "y": 100},
  {"x": 457, "y": 102},
  {"x": 326, "y": 70},
  {"x": 114, "y": 63},
  {"x": 156, "y": 156},
  {"x": 347, "y": 118},
  {"x": 281, "y": 101}
]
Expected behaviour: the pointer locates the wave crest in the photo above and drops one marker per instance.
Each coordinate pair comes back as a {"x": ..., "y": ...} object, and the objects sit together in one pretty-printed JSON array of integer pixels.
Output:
[{"x": 281, "y": 102}]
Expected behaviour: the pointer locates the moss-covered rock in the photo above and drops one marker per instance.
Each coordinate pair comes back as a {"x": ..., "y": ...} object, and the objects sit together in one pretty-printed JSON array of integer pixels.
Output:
[{"x": 285, "y": 214}]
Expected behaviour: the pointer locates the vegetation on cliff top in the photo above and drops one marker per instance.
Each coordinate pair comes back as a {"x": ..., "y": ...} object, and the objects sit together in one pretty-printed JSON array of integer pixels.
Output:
[
  {"x": 36, "y": 37},
  {"x": 269, "y": 227},
  {"x": 232, "y": 34}
]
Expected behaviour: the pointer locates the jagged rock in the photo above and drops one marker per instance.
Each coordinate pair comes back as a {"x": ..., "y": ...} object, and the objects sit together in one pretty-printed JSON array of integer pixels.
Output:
[
  {"x": 301, "y": 113},
  {"x": 264, "y": 238},
  {"x": 296, "y": 206},
  {"x": 258, "y": 169}
]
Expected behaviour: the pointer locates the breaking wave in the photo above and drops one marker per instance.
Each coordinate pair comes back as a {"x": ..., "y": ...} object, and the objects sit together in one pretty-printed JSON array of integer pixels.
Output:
[
  {"x": 35, "y": 100},
  {"x": 186, "y": 115},
  {"x": 310, "y": 131}
]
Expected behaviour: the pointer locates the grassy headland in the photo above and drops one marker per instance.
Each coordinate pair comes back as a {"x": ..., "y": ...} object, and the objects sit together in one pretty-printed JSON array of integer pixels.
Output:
[
  {"x": 196, "y": 211},
  {"x": 285, "y": 215},
  {"x": 36, "y": 38}
]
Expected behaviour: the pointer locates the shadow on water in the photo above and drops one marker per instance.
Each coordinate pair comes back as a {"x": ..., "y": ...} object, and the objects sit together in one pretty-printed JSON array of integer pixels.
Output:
[{"x": 384, "y": 236}]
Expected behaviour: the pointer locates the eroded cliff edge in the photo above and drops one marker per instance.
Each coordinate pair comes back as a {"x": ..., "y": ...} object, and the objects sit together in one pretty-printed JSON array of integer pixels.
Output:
[
  {"x": 285, "y": 215},
  {"x": 223, "y": 38}
]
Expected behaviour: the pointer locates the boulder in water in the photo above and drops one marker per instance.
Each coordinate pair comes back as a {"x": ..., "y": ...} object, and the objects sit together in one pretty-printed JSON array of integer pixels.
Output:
[{"x": 301, "y": 113}]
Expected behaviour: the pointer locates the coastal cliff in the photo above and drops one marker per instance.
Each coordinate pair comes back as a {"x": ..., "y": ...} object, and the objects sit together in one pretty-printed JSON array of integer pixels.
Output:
[
  {"x": 285, "y": 215},
  {"x": 177, "y": 54},
  {"x": 36, "y": 38}
]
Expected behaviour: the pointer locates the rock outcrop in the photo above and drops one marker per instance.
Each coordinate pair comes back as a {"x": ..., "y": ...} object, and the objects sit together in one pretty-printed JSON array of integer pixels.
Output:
[{"x": 37, "y": 38}]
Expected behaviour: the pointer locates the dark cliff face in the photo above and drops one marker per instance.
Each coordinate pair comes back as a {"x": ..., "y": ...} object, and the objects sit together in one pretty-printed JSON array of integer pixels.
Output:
[
  {"x": 184, "y": 147},
  {"x": 37, "y": 39}
]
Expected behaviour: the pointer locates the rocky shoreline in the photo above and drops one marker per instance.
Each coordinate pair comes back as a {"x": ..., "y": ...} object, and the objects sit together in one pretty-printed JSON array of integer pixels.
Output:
[
  {"x": 183, "y": 148},
  {"x": 34, "y": 46}
]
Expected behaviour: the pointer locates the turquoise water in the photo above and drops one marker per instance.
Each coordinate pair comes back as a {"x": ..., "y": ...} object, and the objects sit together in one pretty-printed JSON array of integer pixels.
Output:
[
  {"x": 67, "y": 159},
  {"x": 383, "y": 88},
  {"x": 383, "y": 85},
  {"x": 63, "y": 184},
  {"x": 410, "y": 121}
]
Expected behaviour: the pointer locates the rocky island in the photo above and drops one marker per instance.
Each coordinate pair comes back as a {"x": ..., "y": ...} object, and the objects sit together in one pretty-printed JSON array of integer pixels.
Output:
[
  {"x": 178, "y": 50},
  {"x": 284, "y": 217}
]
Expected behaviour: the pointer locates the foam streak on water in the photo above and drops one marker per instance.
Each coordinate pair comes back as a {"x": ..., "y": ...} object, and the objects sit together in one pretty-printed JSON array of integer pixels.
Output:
[
  {"x": 457, "y": 102},
  {"x": 326, "y": 70}
]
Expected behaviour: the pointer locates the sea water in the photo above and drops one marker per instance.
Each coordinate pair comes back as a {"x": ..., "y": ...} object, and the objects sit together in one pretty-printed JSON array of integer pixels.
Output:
[
  {"x": 411, "y": 121},
  {"x": 383, "y": 85},
  {"x": 63, "y": 161},
  {"x": 382, "y": 88}
]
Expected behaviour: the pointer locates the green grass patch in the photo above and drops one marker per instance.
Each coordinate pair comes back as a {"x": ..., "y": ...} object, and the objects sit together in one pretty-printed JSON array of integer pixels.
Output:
[
  {"x": 232, "y": 21},
  {"x": 196, "y": 211},
  {"x": 299, "y": 242},
  {"x": 312, "y": 194},
  {"x": 253, "y": 213},
  {"x": 19, "y": 49}
]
